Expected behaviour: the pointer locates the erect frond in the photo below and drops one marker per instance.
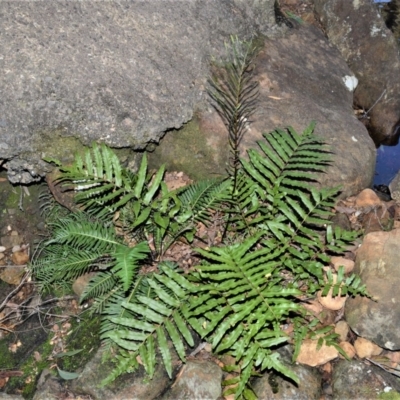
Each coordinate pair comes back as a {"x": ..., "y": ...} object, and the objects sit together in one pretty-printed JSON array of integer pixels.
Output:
[{"x": 235, "y": 94}]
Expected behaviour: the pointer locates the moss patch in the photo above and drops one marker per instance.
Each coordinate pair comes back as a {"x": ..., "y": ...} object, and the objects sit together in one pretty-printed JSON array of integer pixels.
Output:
[
  {"x": 85, "y": 336},
  {"x": 32, "y": 348},
  {"x": 199, "y": 154}
]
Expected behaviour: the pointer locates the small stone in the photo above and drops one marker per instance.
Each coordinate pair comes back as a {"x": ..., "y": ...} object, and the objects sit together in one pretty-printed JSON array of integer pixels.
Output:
[
  {"x": 348, "y": 349},
  {"x": 342, "y": 329},
  {"x": 12, "y": 275},
  {"x": 314, "y": 307},
  {"x": 367, "y": 198},
  {"x": 365, "y": 348},
  {"x": 17, "y": 247},
  {"x": 329, "y": 302},
  {"x": 2, "y": 256},
  {"x": 393, "y": 356},
  {"x": 309, "y": 354},
  {"x": 14, "y": 233},
  {"x": 11, "y": 241},
  {"x": 341, "y": 261},
  {"x": 2, "y": 249},
  {"x": 20, "y": 258}
]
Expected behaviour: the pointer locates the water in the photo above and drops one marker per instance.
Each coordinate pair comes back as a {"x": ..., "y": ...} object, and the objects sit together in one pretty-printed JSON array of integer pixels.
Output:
[{"x": 387, "y": 164}]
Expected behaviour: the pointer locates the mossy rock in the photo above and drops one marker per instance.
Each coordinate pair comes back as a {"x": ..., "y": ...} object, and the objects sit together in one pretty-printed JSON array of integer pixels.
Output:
[{"x": 189, "y": 150}]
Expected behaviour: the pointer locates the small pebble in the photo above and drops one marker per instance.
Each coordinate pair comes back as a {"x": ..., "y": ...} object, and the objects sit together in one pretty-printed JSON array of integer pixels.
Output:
[
  {"x": 16, "y": 248},
  {"x": 2, "y": 249},
  {"x": 14, "y": 233}
]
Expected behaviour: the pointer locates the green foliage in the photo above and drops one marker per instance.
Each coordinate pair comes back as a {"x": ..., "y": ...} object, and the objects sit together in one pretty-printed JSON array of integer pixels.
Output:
[
  {"x": 278, "y": 238},
  {"x": 235, "y": 94}
]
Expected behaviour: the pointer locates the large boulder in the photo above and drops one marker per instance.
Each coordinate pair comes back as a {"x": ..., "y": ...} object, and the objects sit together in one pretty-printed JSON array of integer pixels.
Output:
[
  {"x": 378, "y": 318},
  {"x": 122, "y": 73},
  {"x": 302, "y": 78},
  {"x": 357, "y": 29}
]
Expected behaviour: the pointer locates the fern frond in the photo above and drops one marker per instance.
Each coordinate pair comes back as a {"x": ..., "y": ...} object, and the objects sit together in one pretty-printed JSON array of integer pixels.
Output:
[
  {"x": 63, "y": 263},
  {"x": 126, "y": 261},
  {"x": 243, "y": 301},
  {"x": 235, "y": 94},
  {"x": 155, "y": 319},
  {"x": 204, "y": 197}
]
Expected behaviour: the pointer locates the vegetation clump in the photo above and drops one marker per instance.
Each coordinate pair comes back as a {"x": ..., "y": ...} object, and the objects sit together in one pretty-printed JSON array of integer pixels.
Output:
[{"x": 274, "y": 236}]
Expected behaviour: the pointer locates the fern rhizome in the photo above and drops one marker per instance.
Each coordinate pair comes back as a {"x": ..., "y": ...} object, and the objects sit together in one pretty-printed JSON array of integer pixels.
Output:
[{"x": 245, "y": 289}]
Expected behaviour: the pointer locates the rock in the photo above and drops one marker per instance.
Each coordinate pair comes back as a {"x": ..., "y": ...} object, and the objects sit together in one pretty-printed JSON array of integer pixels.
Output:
[
  {"x": 49, "y": 387},
  {"x": 10, "y": 241},
  {"x": 394, "y": 187},
  {"x": 120, "y": 73},
  {"x": 2, "y": 249},
  {"x": 367, "y": 198},
  {"x": 20, "y": 257},
  {"x": 330, "y": 302},
  {"x": 130, "y": 385},
  {"x": 5, "y": 396},
  {"x": 358, "y": 380},
  {"x": 197, "y": 380},
  {"x": 16, "y": 248},
  {"x": 378, "y": 219},
  {"x": 294, "y": 90},
  {"x": 366, "y": 349},
  {"x": 348, "y": 349},
  {"x": 338, "y": 262},
  {"x": 357, "y": 29},
  {"x": 273, "y": 386},
  {"x": 309, "y": 354},
  {"x": 377, "y": 263},
  {"x": 342, "y": 329},
  {"x": 342, "y": 221},
  {"x": 12, "y": 275}
]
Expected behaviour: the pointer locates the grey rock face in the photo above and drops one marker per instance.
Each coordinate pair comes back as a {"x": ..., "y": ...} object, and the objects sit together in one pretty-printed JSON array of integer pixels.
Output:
[
  {"x": 371, "y": 51},
  {"x": 119, "y": 72}
]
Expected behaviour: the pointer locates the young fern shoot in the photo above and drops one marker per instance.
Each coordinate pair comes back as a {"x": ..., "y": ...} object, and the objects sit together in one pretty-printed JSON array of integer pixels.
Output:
[{"x": 234, "y": 94}]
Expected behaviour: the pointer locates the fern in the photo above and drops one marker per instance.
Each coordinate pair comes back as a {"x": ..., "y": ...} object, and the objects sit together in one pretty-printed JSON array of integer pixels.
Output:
[
  {"x": 154, "y": 320},
  {"x": 242, "y": 303},
  {"x": 235, "y": 94},
  {"x": 278, "y": 238}
]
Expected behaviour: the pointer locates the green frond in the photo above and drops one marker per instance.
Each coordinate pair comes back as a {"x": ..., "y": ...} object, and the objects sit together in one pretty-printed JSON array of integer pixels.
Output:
[
  {"x": 126, "y": 261},
  {"x": 82, "y": 233},
  {"x": 204, "y": 197},
  {"x": 235, "y": 94},
  {"x": 153, "y": 319}
]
